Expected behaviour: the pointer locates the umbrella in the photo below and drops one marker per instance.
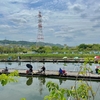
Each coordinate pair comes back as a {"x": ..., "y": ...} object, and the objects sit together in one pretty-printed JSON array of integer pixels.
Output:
[
  {"x": 29, "y": 66},
  {"x": 76, "y": 57},
  {"x": 64, "y": 58},
  {"x": 97, "y": 58}
]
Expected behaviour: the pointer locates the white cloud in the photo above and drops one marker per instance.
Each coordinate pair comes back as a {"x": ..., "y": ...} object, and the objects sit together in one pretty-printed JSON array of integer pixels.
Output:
[
  {"x": 64, "y": 21},
  {"x": 77, "y": 8}
]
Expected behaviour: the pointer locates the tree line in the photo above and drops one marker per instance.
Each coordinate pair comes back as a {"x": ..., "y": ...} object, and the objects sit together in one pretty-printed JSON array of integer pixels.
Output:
[{"x": 82, "y": 48}]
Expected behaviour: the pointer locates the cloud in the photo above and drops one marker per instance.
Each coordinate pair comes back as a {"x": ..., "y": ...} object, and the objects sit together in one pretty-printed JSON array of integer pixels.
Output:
[
  {"x": 84, "y": 15},
  {"x": 78, "y": 8},
  {"x": 96, "y": 18},
  {"x": 19, "y": 20},
  {"x": 68, "y": 22},
  {"x": 97, "y": 25}
]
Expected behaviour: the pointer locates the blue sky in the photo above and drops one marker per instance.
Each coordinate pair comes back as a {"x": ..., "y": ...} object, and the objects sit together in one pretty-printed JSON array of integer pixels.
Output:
[{"x": 70, "y": 22}]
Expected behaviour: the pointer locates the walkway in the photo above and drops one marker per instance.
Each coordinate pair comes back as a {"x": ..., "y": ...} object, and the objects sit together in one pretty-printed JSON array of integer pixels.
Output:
[{"x": 55, "y": 74}]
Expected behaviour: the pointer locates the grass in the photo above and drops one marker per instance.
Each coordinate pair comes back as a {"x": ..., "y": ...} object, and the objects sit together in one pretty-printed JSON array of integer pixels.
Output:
[{"x": 44, "y": 56}]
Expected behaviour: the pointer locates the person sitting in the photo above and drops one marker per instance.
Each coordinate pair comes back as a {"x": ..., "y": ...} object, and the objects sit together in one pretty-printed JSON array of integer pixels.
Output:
[
  {"x": 30, "y": 71},
  {"x": 60, "y": 71},
  {"x": 43, "y": 69},
  {"x": 64, "y": 72},
  {"x": 5, "y": 70},
  {"x": 96, "y": 69}
]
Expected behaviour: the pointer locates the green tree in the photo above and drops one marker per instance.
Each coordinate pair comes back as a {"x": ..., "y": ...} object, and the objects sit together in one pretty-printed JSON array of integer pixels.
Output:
[
  {"x": 82, "y": 90},
  {"x": 7, "y": 78},
  {"x": 41, "y": 49}
]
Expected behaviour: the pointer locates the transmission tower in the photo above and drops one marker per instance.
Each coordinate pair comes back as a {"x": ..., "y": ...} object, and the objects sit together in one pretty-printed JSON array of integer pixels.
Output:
[{"x": 40, "y": 36}]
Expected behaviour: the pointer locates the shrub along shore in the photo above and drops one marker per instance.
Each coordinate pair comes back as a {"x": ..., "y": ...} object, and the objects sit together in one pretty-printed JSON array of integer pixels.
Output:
[{"x": 48, "y": 57}]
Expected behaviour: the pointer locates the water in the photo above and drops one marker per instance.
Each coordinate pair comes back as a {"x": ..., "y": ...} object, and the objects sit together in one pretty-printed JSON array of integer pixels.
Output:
[
  {"x": 49, "y": 66},
  {"x": 35, "y": 88}
]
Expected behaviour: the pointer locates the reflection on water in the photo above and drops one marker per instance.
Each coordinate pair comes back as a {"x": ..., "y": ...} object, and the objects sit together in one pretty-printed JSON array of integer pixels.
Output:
[
  {"x": 9, "y": 63},
  {"x": 34, "y": 88},
  {"x": 29, "y": 81},
  {"x": 41, "y": 83},
  {"x": 61, "y": 81},
  {"x": 42, "y": 80},
  {"x": 19, "y": 63}
]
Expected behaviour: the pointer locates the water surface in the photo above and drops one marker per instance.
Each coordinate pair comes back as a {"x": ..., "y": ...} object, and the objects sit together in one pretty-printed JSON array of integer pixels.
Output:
[{"x": 34, "y": 88}]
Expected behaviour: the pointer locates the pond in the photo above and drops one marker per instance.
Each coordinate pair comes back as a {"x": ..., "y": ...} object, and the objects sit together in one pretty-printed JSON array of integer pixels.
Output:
[
  {"x": 34, "y": 88},
  {"x": 49, "y": 66}
]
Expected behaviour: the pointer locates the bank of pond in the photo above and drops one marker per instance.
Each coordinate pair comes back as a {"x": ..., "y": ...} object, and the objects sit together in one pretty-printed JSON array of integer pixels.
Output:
[{"x": 70, "y": 75}]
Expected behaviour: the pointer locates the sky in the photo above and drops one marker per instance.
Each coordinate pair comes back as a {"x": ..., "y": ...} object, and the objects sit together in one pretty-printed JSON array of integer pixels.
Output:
[{"x": 70, "y": 22}]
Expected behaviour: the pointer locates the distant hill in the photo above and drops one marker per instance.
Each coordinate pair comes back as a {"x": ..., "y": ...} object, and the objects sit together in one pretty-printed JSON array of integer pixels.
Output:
[{"x": 26, "y": 43}]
